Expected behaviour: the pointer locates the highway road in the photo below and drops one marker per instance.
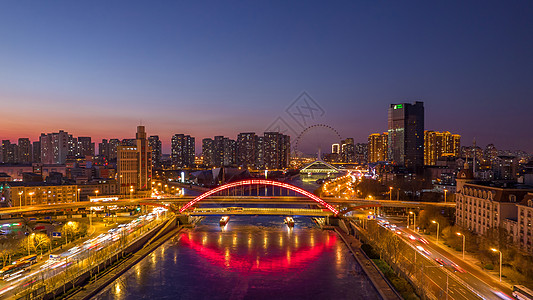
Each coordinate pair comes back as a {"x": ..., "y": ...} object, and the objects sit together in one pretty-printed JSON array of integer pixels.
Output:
[{"x": 467, "y": 278}]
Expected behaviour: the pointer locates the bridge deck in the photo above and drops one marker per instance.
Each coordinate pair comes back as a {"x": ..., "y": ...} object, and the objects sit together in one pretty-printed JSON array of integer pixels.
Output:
[{"x": 260, "y": 211}]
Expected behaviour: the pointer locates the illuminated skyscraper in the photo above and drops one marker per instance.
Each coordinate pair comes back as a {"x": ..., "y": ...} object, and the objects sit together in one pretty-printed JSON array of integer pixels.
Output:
[
  {"x": 378, "y": 147},
  {"x": 439, "y": 144},
  {"x": 406, "y": 135},
  {"x": 348, "y": 150},
  {"x": 208, "y": 152},
  {"x": 183, "y": 151},
  {"x": 155, "y": 144},
  {"x": 246, "y": 149},
  {"x": 24, "y": 151},
  {"x": 54, "y": 147}
]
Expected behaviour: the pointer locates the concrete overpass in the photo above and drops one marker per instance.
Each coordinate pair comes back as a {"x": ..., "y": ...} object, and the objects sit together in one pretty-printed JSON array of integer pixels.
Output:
[
  {"x": 222, "y": 200},
  {"x": 220, "y": 211}
]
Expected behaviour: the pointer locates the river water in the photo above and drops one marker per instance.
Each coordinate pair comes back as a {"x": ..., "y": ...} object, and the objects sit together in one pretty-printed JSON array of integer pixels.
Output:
[{"x": 252, "y": 257}]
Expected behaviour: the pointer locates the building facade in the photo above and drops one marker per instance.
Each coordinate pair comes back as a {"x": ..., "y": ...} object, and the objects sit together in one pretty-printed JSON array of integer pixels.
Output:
[
  {"x": 440, "y": 144},
  {"x": 182, "y": 152},
  {"x": 406, "y": 135},
  {"x": 246, "y": 149},
  {"x": 378, "y": 147},
  {"x": 54, "y": 147},
  {"x": 24, "y": 194},
  {"x": 155, "y": 144},
  {"x": 134, "y": 165}
]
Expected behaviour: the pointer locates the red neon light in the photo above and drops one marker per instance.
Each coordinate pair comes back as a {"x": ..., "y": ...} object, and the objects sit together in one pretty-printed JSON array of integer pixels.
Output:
[
  {"x": 260, "y": 182},
  {"x": 242, "y": 263}
]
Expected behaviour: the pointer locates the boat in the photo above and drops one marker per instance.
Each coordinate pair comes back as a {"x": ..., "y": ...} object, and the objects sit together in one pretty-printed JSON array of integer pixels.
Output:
[
  {"x": 224, "y": 220},
  {"x": 289, "y": 221}
]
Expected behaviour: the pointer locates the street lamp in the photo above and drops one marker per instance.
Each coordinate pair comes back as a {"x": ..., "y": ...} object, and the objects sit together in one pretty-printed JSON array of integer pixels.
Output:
[
  {"x": 20, "y": 198},
  {"x": 390, "y": 193},
  {"x": 435, "y": 222},
  {"x": 414, "y": 220},
  {"x": 464, "y": 238},
  {"x": 31, "y": 197},
  {"x": 496, "y": 250},
  {"x": 96, "y": 193},
  {"x": 79, "y": 194},
  {"x": 131, "y": 193},
  {"x": 445, "y": 191}
]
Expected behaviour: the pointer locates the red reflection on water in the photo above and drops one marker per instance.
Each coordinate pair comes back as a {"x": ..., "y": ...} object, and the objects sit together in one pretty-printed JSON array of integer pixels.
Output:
[{"x": 295, "y": 258}]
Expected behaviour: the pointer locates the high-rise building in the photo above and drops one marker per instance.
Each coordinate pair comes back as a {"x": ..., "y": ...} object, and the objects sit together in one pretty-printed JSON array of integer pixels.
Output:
[
  {"x": 208, "y": 152},
  {"x": 9, "y": 152},
  {"x": 361, "y": 153},
  {"x": 113, "y": 145},
  {"x": 134, "y": 165},
  {"x": 260, "y": 154},
  {"x": 440, "y": 144},
  {"x": 406, "y": 135},
  {"x": 24, "y": 151},
  {"x": 103, "y": 148},
  {"x": 72, "y": 146},
  {"x": 246, "y": 149},
  {"x": 378, "y": 147},
  {"x": 218, "y": 154},
  {"x": 155, "y": 144},
  {"x": 54, "y": 147},
  {"x": 335, "y": 148},
  {"x": 182, "y": 151},
  {"x": 276, "y": 150},
  {"x": 230, "y": 152},
  {"x": 36, "y": 152},
  {"x": 85, "y": 146},
  {"x": 348, "y": 150}
]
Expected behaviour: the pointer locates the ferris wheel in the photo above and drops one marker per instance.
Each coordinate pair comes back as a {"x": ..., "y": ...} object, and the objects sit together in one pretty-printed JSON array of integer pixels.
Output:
[{"x": 307, "y": 132}]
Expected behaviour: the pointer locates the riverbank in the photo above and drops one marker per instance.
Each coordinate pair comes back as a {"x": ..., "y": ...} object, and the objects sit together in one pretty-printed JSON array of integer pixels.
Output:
[
  {"x": 381, "y": 284},
  {"x": 92, "y": 288}
]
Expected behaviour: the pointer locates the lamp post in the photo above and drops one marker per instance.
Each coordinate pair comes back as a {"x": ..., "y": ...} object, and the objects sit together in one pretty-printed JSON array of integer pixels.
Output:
[
  {"x": 20, "y": 199},
  {"x": 496, "y": 250},
  {"x": 464, "y": 239},
  {"x": 131, "y": 193},
  {"x": 96, "y": 193},
  {"x": 390, "y": 193},
  {"x": 78, "y": 190},
  {"x": 445, "y": 191},
  {"x": 435, "y": 222},
  {"x": 414, "y": 220},
  {"x": 31, "y": 197}
]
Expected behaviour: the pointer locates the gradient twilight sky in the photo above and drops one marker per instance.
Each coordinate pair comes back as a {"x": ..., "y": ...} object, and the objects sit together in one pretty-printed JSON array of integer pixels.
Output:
[{"x": 210, "y": 68}]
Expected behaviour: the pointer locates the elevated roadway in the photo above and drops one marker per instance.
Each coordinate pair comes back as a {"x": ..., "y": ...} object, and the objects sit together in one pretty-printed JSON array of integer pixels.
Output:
[{"x": 226, "y": 200}]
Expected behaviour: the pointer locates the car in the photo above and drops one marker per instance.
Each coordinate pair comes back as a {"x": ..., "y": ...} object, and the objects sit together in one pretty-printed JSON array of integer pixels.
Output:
[
  {"x": 440, "y": 261},
  {"x": 457, "y": 268},
  {"x": 424, "y": 241}
]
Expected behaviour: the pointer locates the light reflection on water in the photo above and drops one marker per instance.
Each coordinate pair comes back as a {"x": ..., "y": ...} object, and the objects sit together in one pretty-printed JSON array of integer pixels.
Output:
[{"x": 253, "y": 258}]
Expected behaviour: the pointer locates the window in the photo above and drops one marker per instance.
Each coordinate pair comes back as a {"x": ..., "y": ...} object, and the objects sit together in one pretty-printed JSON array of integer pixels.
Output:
[{"x": 512, "y": 198}]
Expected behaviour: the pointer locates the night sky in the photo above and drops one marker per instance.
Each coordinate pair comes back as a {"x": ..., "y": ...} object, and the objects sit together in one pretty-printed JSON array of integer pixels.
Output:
[{"x": 99, "y": 68}]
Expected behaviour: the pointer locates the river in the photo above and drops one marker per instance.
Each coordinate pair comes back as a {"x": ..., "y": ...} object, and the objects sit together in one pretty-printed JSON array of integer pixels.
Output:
[{"x": 252, "y": 257}]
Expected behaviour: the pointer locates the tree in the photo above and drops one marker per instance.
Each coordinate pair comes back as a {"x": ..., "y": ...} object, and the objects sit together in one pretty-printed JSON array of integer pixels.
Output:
[
  {"x": 7, "y": 249},
  {"x": 41, "y": 241}
]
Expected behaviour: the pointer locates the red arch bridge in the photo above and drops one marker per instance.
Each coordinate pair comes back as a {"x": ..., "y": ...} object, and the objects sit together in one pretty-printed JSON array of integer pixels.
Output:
[{"x": 327, "y": 210}]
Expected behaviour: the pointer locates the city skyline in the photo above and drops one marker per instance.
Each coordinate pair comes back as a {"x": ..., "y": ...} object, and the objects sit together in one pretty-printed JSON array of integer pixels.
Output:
[{"x": 225, "y": 69}]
